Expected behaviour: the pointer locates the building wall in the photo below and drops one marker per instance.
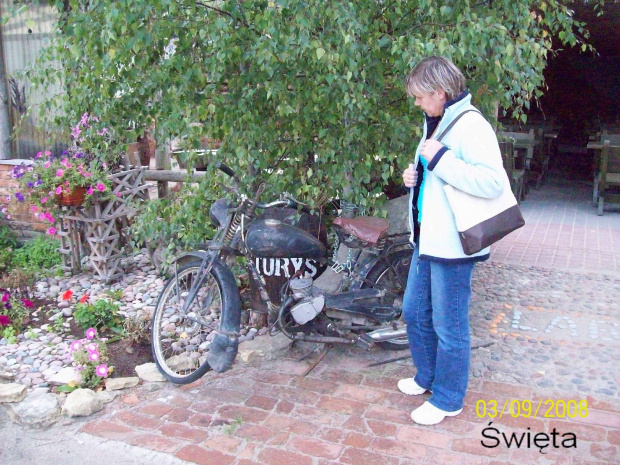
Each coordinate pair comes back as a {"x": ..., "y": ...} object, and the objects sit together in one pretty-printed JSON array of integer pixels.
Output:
[{"x": 23, "y": 221}]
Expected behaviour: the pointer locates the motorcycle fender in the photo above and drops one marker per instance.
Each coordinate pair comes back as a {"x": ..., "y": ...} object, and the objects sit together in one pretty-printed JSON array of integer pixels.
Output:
[
  {"x": 225, "y": 344},
  {"x": 187, "y": 257}
]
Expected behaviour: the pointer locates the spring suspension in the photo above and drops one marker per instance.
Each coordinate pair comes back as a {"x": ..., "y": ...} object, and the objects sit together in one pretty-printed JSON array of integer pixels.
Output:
[{"x": 245, "y": 209}]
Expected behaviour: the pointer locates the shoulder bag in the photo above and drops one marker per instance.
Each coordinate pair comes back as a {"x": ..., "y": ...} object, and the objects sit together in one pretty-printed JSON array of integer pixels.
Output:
[{"x": 481, "y": 221}]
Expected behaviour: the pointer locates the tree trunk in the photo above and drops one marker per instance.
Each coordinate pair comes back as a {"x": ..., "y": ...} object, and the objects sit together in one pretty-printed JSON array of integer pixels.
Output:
[{"x": 5, "y": 121}]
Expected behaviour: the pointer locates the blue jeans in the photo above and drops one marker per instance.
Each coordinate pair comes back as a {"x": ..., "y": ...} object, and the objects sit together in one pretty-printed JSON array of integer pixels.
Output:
[{"x": 435, "y": 309}]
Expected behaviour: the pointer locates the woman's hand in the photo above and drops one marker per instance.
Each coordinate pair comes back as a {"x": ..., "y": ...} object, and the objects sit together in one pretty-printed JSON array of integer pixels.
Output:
[
  {"x": 430, "y": 149},
  {"x": 410, "y": 176}
]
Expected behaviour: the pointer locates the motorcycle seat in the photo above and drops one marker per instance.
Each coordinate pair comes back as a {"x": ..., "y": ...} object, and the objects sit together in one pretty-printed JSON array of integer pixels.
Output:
[{"x": 366, "y": 228}]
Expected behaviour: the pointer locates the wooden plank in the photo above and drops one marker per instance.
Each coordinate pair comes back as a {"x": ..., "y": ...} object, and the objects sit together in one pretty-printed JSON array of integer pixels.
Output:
[{"x": 174, "y": 176}]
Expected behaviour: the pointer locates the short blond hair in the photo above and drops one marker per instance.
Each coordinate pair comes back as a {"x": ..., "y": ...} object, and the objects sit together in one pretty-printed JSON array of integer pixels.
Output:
[{"x": 433, "y": 73}]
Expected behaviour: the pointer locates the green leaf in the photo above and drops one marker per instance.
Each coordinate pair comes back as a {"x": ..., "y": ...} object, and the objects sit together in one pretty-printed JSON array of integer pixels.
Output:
[{"x": 320, "y": 52}]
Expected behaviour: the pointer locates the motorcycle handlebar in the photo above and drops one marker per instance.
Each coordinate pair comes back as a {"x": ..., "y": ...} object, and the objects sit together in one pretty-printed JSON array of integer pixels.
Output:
[{"x": 226, "y": 170}]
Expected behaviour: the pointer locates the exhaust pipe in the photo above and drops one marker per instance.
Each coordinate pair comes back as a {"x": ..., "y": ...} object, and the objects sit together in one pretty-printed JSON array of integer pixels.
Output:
[{"x": 387, "y": 334}]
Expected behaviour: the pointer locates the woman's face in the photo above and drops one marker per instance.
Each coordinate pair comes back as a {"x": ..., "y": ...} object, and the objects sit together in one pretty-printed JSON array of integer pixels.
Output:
[{"x": 431, "y": 103}]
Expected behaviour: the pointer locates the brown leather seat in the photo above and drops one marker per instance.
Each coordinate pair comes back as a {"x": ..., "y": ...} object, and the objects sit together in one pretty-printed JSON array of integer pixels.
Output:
[{"x": 366, "y": 228}]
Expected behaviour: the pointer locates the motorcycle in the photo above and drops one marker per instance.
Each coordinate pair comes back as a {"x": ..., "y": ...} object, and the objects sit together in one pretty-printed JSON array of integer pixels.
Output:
[{"x": 358, "y": 300}]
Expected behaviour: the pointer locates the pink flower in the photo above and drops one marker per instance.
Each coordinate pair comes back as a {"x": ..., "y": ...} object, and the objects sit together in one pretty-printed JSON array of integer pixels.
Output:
[
  {"x": 47, "y": 152},
  {"x": 5, "y": 297},
  {"x": 59, "y": 173},
  {"x": 51, "y": 231},
  {"x": 4, "y": 320},
  {"x": 118, "y": 194},
  {"x": 39, "y": 155},
  {"x": 33, "y": 208},
  {"x": 59, "y": 190},
  {"x": 75, "y": 345},
  {"x": 90, "y": 190},
  {"x": 44, "y": 199},
  {"x": 100, "y": 187},
  {"x": 90, "y": 332},
  {"x": 102, "y": 370},
  {"x": 27, "y": 303},
  {"x": 94, "y": 357},
  {"x": 47, "y": 164},
  {"x": 92, "y": 347}
]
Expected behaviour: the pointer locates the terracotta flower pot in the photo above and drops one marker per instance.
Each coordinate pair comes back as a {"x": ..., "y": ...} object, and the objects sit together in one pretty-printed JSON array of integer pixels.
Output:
[{"x": 73, "y": 198}]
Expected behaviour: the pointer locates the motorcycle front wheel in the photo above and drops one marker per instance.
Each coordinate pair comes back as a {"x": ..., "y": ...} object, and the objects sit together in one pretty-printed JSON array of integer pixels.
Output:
[
  {"x": 180, "y": 340},
  {"x": 382, "y": 276}
]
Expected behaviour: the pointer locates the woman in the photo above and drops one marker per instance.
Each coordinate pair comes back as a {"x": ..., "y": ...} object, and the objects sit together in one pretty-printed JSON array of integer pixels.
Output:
[{"x": 436, "y": 301}]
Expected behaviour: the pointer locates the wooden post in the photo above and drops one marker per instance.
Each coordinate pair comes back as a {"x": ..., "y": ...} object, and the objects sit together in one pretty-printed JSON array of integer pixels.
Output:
[{"x": 162, "y": 162}]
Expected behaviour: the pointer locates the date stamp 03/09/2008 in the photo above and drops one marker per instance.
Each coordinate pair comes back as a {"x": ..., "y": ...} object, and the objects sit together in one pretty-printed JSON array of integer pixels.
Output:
[{"x": 545, "y": 408}]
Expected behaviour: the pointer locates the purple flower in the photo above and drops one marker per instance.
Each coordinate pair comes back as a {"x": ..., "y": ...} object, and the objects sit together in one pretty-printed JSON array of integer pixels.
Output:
[
  {"x": 91, "y": 333},
  {"x": 75, "y": 345},
  {"x": 79, "y": 155},
  {"x": 19, "y": 196},
  {"x": 38, "y": 183},
  {"x": 102, "y": 370},
  {"x": 30, "y": 184}
]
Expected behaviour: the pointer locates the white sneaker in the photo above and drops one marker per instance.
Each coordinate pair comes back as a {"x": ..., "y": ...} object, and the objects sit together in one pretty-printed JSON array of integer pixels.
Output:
[
  {"x": 428, "y": 414},
  {"x": 410, "y": 387}
]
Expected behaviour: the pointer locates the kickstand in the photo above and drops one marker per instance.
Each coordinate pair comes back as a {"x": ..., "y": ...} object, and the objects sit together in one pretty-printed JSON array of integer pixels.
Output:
[{"x": 321, "y": 356}]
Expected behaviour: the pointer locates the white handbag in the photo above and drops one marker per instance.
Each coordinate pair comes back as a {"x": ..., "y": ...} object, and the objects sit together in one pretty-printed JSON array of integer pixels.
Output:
[{"x": 481, "y": 221}]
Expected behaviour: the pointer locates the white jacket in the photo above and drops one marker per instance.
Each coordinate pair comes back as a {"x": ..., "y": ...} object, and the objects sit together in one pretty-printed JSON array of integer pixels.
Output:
[{"x": 471, "y": 163}]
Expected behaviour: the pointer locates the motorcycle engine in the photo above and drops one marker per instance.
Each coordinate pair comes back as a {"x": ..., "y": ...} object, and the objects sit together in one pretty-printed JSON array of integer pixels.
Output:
[{"x": 309, "y": 304}]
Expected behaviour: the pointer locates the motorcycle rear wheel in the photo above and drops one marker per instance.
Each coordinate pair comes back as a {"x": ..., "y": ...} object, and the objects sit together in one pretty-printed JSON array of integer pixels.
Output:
[
  {"x": 382, "y": 276},
  {"x": 180, "y": 341}
]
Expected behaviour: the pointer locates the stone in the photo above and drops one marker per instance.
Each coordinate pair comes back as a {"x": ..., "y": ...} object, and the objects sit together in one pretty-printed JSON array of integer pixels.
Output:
[
  {"x": 269, "y": 348},
  {"x": 150, "y": 373},
  {"x": 113, "y": 384},
  {"x": 65, "y": 376},
  {"x": 12, "y": 392},
  {"x": 81, "y": 403},
  {"x": 38, "y": 409}
]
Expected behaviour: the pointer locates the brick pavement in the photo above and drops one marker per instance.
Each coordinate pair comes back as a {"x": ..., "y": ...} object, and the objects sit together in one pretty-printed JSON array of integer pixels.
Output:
[
  {"x": 347, "y": 412},
  {"x": 563, "y": 231}
]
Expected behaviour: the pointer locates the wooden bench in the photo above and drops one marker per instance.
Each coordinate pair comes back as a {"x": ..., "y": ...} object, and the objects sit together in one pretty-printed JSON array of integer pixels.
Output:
[{"x": 607, "y": 180}]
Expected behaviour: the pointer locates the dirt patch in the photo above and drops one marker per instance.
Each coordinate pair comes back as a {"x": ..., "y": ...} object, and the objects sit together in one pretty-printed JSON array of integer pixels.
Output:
[{"x": 124, "y": 361}]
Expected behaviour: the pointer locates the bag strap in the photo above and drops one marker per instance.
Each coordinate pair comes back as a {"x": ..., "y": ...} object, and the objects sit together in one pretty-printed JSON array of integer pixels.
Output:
[{"x": 452, "y": 123}]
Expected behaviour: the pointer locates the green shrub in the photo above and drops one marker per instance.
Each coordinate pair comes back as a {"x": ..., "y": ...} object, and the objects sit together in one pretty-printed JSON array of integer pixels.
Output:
[
  {"x": 41, "y": 252},
  {"x": 8, "y": 243},
  {"x": 98, "y": 315},
  {"x": 7, "y": 238}
]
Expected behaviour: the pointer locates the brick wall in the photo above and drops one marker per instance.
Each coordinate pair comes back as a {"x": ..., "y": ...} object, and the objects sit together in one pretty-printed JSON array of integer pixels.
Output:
[{"x": 23, "y": 221}]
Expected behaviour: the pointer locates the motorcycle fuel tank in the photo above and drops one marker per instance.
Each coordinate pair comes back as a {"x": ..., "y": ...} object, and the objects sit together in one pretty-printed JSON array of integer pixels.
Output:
[{"x": 273, "y": 238}]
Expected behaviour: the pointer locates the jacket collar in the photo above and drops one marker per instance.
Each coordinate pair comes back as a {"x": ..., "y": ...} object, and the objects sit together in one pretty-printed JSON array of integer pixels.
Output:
[{"x": 461, "y": 101}]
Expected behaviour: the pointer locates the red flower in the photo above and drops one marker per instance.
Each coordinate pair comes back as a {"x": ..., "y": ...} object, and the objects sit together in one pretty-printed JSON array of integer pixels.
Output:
[
  {"x": 67, "y": 295},
  {"x": 4, "y": 320},
  {"x": 27, "y": 303},
  {"x": 84, "y": 298}
]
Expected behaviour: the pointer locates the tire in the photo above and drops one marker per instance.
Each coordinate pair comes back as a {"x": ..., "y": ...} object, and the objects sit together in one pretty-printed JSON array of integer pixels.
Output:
[
  {"x": 383, "y": 277},
  {"x": 180, "y": 345}
]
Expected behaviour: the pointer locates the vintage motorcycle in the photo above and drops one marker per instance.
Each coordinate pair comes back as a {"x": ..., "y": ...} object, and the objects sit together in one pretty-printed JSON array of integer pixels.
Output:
[{"x": 357, "y": 300}]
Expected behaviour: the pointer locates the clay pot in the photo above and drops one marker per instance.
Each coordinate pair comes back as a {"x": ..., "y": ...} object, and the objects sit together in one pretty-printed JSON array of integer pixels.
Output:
[{"x": 72, "y": 199}]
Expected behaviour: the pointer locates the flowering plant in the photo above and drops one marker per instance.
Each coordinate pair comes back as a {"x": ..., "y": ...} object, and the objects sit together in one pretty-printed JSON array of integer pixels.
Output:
[
  {"x": 14, "y": 312},
  {"x": 80, "y": 166},
  {"x": 90, "y": 358}
]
